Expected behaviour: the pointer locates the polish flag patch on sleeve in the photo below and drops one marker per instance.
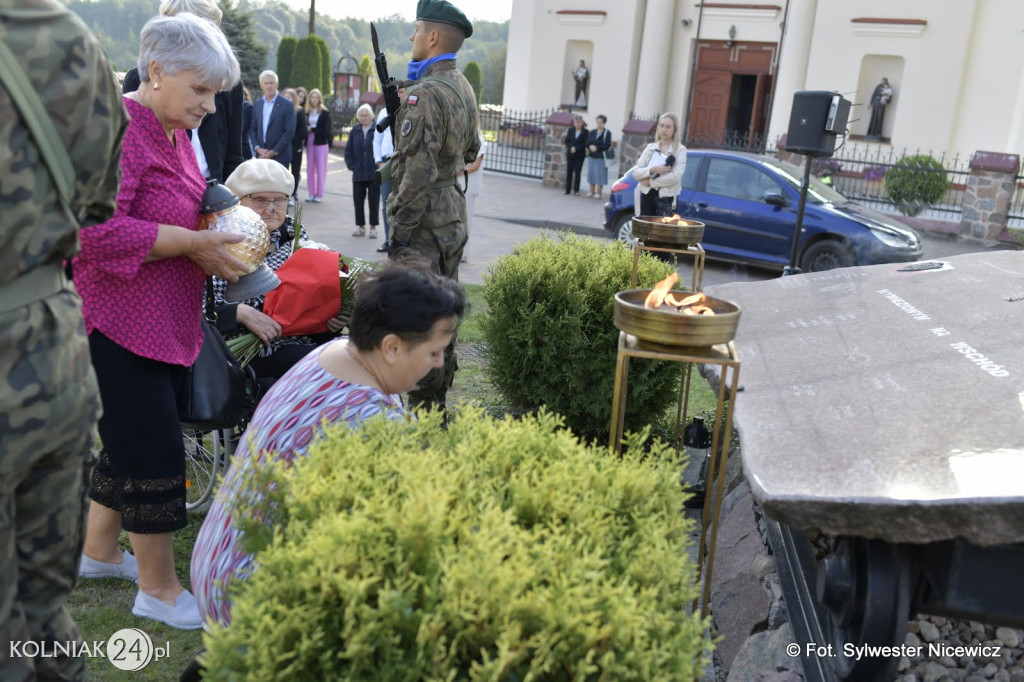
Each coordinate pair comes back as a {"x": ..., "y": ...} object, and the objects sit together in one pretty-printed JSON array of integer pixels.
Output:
[{"x": 413, "y": 99}]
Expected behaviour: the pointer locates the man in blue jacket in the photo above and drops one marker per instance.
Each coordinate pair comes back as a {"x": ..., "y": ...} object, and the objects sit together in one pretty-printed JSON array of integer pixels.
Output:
[{"x": 273, "y": 123}]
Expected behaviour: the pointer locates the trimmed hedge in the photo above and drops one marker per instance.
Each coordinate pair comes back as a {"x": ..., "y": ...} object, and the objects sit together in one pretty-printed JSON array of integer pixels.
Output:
[
  {"x": 493, "y": 550},
  {"x": 915, "y": 183},
  {"x": 551, "y": 339}
]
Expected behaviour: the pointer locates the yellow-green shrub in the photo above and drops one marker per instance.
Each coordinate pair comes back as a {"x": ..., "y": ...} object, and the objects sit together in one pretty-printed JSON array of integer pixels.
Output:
[
  {"x": 495, "y": 550},
  {"x": 551, "y": 339}
]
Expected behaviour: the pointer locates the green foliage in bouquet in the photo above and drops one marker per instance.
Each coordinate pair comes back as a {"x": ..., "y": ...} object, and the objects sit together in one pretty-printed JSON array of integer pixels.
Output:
[
  {"x": 915, "y": 183},
  {"x": 550, "y": 334},
  {"x": 493, "y": 550}
]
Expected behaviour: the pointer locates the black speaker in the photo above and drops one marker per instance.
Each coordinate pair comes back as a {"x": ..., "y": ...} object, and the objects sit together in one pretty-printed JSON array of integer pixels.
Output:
[{"x": 817, "y": 116}]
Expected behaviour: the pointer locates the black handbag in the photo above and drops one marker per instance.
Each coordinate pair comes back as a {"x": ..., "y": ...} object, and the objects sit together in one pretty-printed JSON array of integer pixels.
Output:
[{"x": 217, "y": 392}]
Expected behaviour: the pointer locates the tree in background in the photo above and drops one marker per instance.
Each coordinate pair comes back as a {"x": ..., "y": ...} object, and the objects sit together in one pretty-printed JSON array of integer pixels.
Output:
[
  {"x": 368, "y": 70},
  {"x": 306, "y": 69},
  {"x": 494, "y": 84},
  {"x": 240, "y": 29},
  {"x": 475, "y": 78},
  {"x": 286, "y": 59},
  {"x": 326, "y": 68}
]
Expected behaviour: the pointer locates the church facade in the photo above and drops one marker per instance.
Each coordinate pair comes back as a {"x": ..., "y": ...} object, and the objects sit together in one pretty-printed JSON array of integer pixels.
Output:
[{"x": 729, "y": 69}]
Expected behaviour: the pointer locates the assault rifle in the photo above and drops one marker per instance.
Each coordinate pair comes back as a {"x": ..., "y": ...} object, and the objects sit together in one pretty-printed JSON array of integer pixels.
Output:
[{"x": 388, "y": 85}]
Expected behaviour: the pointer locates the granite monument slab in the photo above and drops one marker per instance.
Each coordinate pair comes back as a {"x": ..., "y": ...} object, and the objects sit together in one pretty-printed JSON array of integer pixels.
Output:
[{"x": 887, "y": 401}]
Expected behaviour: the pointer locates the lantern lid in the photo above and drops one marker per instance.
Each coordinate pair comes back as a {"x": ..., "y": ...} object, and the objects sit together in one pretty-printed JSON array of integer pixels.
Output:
[{"x": 217, "y": 198}]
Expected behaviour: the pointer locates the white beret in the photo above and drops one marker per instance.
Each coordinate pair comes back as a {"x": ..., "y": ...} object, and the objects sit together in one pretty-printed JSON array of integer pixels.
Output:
[{"x": 260, "y": 175}]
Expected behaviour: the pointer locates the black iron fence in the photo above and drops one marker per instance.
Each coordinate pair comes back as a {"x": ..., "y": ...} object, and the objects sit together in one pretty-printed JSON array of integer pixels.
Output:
[
  {"x": 1015, "y": 212},
  {"x": 515, "y": 140}
]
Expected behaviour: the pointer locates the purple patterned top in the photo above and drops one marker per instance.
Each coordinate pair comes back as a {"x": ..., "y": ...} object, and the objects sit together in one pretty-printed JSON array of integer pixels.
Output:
[
  {"x": 289, "y": 418},
  {"x": 152, "y": 309}
]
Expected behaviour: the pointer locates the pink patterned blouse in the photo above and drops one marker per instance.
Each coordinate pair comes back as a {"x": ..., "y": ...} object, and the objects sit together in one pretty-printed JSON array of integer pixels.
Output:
[
  {"x": 151, "y": 309},
  {"x": 290, "y": 417}
]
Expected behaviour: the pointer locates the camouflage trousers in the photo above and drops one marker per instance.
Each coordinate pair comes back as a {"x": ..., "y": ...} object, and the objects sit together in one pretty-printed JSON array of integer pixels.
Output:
[
  {"x": 442, "y": 248},
  {"x": 49, "y": 405}
]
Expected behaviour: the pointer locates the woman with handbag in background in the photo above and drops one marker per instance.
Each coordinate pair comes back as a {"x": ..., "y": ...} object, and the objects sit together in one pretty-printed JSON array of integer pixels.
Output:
[
  {"x": 599, "y": 141},
  {"x": 659, "y": 170},
  {"x": 141, "y": 279},
  {"x": 359, "y": 160},
  {"x": 319, "y": 141}
]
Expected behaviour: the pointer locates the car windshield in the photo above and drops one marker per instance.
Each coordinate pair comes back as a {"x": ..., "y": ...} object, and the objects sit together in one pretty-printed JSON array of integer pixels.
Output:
[{"x": 817, "y": 192}]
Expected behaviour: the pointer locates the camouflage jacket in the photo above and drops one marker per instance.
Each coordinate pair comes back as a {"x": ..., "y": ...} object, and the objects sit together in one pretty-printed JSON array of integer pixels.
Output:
[
  {"x": 436, "y": 137},
  {"x": 62, "y": 61}
]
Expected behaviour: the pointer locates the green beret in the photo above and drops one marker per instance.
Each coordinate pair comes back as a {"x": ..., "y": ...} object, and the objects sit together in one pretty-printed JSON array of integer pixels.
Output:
[{"x": 443, "y": 12}]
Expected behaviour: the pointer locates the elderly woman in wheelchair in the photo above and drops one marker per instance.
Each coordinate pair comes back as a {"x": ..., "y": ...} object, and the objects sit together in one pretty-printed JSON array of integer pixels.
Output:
[{"x": 265, "y": 186}]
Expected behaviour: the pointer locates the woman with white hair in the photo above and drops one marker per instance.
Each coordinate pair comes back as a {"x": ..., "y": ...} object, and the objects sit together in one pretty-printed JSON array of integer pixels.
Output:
[
  {"x": 264, "y": 186},
  {"x": 359, "y": 159},
  {"x": 141, "y": 276},
  {"x": 219, "y": 142}
]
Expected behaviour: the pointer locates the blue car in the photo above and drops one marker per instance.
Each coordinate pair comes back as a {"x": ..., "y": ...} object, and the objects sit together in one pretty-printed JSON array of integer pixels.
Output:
[{"x": 748, "y": 204}]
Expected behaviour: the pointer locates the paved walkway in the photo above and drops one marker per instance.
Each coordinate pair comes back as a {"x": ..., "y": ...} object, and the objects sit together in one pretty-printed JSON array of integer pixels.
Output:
[{"x": 509, "y": 211}]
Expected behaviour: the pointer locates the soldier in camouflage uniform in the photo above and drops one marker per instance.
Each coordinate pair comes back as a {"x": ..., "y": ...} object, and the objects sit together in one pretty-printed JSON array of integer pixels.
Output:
[
  {"x": 49, "y": 401},
  {"x": 436, "y": 138}
]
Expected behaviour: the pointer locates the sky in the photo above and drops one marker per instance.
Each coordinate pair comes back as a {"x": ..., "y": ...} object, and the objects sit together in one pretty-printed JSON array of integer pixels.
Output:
[{"x": 484, "y": 10}]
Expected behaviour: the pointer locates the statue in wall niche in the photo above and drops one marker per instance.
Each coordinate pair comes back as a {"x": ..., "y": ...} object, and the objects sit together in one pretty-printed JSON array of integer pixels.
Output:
[
  {"x": 581, "y": 74},
  {"x": 879, "y": 99}
]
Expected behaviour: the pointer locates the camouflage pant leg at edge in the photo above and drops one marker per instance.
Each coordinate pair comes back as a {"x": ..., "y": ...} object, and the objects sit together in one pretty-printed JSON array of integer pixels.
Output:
[
  {"x": 444, "y": 250},
  {"x": 49, "y": 405}
]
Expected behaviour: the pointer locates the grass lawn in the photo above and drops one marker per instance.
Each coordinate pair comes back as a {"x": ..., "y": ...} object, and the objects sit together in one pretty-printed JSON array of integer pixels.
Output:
[{"x": 102, "y": 607}]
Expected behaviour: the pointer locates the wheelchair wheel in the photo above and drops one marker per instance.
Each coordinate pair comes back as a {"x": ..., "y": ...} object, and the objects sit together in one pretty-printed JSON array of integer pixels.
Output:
[{"x": 206, "y": 456}]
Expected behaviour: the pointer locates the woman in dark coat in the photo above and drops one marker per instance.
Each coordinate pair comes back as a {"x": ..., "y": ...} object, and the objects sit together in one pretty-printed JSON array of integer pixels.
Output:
[
  {"x": 359, "y": 159},
  {"x": 575, "y": 153}
]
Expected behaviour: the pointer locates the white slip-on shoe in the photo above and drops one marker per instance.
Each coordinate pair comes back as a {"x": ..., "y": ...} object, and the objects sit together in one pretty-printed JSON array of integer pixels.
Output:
[
  {"x": 91, "y": 568},
  {"x": 184, "y": 615}
]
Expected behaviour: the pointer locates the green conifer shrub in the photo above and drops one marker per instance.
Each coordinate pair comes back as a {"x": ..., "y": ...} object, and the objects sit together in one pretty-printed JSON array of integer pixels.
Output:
[
  {"x": 475, "y": 77},
  {"x": 306, "y": 65},
  {"x": 493, "y": 550},
  {"x": 915, "y": 183},
  {"x": 285, "y": 59},
  {"x": 326, "y": 69},
  {"x": 550, "y": 336}
]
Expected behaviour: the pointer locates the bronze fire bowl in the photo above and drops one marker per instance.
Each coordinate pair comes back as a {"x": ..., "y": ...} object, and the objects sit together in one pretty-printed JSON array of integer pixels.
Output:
[
  {"x": 676, "y": 232},
  {"x": 668, "y": 326}
]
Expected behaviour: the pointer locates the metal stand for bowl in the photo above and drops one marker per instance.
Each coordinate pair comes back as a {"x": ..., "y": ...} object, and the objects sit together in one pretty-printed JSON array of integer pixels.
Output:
[
  {"x": 694, "y": 250},
  {"x": 724, "y": 355}
]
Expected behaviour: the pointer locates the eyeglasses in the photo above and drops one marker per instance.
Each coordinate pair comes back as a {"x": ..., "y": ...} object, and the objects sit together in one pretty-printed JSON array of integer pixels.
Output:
[{"x": 262, "y": 202}]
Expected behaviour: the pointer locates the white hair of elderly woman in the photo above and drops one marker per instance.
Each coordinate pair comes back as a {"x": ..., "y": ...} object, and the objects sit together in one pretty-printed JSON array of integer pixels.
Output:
[
  {"x": 205, "y": 9},
  {"x": 364, "y": 107},
  {"x": 185, "y": 42}
]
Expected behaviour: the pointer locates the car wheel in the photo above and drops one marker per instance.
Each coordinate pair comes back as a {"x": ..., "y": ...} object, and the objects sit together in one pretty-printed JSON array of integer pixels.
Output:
[
  {"x": 623, "y": 229},
  {"x": 827, "y": 254}
]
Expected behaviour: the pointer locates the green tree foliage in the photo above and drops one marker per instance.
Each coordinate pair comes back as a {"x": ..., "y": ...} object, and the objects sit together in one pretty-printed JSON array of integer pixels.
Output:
[
  {"x": 916, "y": 182},
  {"x": 493, "y": 550},
  {"x": 369, "y": 72},
  {"x": 240, "y": 28},
  {"x": 494, "y": 76},
  {"x": 286, "y": 59},
  {"x": 326, "y": 68},
  {"x": 118, "y": 22},
  {"x": 306, "y": 70},
  {"x": 473, "y": 75},
  {"x": 550, "y": 337}
]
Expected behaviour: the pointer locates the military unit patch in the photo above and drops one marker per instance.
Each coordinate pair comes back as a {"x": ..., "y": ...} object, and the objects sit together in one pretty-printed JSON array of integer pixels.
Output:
[
  {"x": 413, "y": 99},
  {"x": 406, "y": 127}
]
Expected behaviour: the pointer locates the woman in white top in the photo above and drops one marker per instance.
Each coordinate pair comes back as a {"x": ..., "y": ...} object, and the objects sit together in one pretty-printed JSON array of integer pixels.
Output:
[
  {"x": 318, "y": 143},
  {"x": 659, "y": 170}
]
